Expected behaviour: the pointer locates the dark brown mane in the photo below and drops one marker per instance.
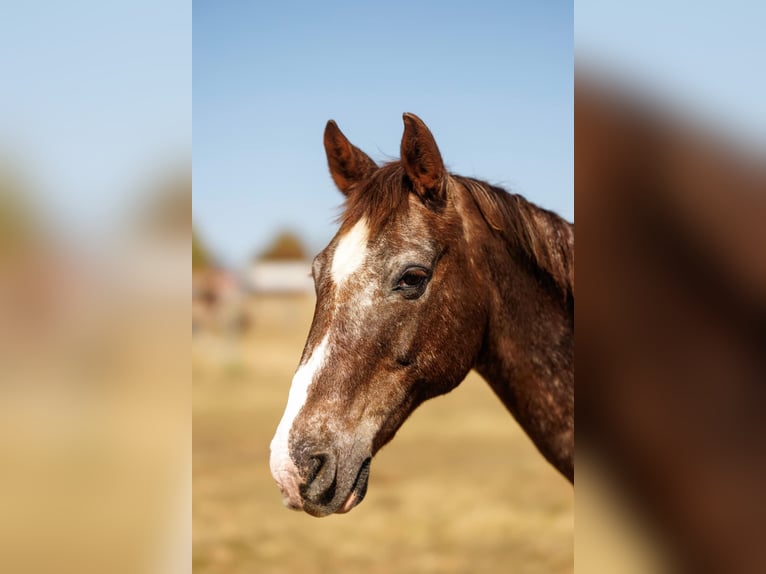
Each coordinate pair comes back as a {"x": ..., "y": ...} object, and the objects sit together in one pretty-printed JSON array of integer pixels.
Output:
[{"x": 543, "y": 237}]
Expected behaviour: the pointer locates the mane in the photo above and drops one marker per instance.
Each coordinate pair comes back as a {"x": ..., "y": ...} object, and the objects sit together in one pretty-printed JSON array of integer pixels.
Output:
[{"x": 543, "y": 237}]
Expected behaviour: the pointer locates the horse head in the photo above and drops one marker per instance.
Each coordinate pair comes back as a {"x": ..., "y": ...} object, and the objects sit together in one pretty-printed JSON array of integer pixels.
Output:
[{"x": 399, "y": 319}]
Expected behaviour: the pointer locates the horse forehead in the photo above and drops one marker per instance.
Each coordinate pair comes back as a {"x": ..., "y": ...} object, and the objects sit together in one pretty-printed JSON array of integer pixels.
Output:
[
  {"x": 356, "y": 250},
  {"x": 350, "y": 252}
]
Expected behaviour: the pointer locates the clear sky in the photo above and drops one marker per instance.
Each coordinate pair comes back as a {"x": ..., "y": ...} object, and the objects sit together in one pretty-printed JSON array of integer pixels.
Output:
[
  {"x": 493, "y": 80},
  {"x": 704, "y": 58},
  {"x": 95, "y": 103},
  {"x": 97, "y": 96}
]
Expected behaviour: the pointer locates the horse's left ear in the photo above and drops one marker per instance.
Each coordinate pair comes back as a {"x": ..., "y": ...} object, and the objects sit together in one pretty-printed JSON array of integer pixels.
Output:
[{"x": 422, "y": 161}]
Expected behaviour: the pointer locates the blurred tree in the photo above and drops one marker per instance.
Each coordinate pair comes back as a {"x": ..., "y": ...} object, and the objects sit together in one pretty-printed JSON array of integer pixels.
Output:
[
  {"x": 19, "y": 227},
  {"x": 201, "y": 259},
  {"x": 285, "y": 247},
  {"x": 167, "y": 210}
]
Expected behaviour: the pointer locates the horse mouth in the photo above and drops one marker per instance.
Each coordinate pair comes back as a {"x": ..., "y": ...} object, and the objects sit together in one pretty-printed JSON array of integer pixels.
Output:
[{"x": 359, "y": 488}]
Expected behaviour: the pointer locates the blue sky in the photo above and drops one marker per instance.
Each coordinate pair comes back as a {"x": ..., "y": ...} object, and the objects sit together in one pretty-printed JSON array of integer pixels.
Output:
[
  {"x": 706, "y": 59},
  {"x": 97, "y": 97},
  {"x": 95, "y": 107},
  {"x": 493, "y": 80}
]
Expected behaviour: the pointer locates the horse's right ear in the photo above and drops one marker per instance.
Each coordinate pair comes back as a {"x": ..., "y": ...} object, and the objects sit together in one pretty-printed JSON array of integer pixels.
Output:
[
  {"x": 422, "y": 161},
  {"x": 348, "y": 164}
]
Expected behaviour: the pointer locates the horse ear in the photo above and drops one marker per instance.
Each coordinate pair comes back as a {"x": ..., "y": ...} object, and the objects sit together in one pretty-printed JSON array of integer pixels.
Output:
[
  {"x": 421, "y": 159},
  {"x": 348, "y": 164}
]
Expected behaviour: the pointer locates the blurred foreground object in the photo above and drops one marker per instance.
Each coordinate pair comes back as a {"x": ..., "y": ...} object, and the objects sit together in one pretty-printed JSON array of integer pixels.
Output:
[{"x": 671, "y": 314}]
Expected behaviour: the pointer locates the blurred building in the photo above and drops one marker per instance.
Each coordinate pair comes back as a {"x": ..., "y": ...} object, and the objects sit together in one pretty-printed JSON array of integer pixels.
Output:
[
  {"x": 283, "y": 268},
  {"x": 275, "y": 277}
]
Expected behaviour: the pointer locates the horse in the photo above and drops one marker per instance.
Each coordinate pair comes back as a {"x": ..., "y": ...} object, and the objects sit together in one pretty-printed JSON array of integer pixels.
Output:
[{"x": 430, "y": 275}]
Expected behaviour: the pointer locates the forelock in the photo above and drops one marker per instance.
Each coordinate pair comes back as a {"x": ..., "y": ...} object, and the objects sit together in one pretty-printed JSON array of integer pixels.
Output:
[{"x": 379, "y": 200}]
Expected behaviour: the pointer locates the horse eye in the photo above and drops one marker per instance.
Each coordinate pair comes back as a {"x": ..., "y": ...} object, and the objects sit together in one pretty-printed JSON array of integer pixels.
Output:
[{"x": 413, "y": 278}]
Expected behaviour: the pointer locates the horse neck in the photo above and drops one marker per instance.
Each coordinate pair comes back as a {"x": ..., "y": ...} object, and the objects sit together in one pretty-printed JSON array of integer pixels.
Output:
[{"x": 528, "y": 354}]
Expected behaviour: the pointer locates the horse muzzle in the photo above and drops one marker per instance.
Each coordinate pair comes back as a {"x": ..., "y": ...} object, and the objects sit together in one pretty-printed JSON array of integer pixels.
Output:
[{"x": 321, "y": 482}]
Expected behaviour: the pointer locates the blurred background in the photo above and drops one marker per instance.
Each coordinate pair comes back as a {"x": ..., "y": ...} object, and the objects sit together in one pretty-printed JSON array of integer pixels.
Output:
[
  {"x": 95, "y": 222},
  {"x": 461, "y": 488}
]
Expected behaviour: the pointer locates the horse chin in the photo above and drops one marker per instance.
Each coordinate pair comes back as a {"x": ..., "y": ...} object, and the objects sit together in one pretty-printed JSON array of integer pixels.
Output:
[{"x": 359, "y": 490}]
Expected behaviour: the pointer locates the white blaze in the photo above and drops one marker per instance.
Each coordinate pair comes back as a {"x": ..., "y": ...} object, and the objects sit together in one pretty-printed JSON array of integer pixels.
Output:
[
  {"x": 350, "y": 252},
  {"x": 282, "y": 467}
]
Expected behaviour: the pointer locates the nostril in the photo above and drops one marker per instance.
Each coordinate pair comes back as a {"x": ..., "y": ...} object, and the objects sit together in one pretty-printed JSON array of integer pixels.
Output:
[
  {"x": 320, "y": 479},
  {"x": 315, "y": 466}
]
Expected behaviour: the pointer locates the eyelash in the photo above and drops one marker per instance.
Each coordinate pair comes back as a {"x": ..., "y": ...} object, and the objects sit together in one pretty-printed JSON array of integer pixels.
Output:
[{"x": 413, "y": 282}]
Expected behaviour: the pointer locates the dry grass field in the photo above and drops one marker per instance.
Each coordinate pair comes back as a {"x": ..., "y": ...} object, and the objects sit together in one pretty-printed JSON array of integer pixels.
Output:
[{"x": 460, "y": 488}]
